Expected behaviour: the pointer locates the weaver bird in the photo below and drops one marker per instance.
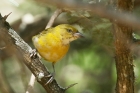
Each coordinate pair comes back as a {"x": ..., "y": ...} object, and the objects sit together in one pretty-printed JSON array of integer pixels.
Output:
[{"x": 53, "y": 43}]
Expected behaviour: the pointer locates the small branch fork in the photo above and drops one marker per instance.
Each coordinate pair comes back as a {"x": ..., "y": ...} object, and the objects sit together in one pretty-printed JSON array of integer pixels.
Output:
[{"x": 33, "y": 63}]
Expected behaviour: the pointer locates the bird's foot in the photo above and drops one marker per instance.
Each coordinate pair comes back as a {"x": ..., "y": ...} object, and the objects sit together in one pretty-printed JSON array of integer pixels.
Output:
[
  {"x": 51, "y": 76},
  {"x": 41, "y": 75},
  {"x": 34, "y": 54}
]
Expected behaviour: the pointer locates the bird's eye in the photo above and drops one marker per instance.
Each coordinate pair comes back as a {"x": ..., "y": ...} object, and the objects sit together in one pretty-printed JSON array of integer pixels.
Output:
[{"x": 69, "y": 30}]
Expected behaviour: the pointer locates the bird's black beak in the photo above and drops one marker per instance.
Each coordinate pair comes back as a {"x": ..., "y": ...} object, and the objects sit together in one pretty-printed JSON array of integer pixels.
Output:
[{"x": 78, "y": 35}]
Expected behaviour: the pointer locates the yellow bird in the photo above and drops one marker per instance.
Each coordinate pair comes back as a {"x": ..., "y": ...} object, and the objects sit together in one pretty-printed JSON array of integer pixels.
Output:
[{"x": 53, "y": 43}]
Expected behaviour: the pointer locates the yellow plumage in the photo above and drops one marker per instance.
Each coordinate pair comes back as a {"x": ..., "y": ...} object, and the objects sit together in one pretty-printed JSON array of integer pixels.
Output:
[
  {"x": 53, "y": 43},
  {"x": 50, "y": 46}
]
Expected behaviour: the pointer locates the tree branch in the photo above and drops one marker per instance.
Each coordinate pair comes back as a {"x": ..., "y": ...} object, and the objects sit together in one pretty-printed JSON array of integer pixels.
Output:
[
  {"x": 50, "y": 23},
  {"x": 99, "y": 9},
  {"x": 123, "y": 39},
  {"x": 33, "y": 63}
]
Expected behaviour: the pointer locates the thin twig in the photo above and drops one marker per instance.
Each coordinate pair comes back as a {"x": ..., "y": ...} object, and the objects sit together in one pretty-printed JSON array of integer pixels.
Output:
[
  {"x": 70, "y": 86},
  {"x": 53, "y": 17},
  {"x": 5, "y": 17},
  {"x": 31, "y": 84}
]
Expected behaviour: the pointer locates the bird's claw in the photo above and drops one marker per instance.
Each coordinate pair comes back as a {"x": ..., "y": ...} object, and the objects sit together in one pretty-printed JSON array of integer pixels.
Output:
[
  {"x": 33, "y": 53},
  {"x": 51, "y": 78}
]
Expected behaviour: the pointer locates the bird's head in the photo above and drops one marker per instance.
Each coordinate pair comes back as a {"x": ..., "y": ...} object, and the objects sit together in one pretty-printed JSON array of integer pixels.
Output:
[{"x": 68, "y": 33}]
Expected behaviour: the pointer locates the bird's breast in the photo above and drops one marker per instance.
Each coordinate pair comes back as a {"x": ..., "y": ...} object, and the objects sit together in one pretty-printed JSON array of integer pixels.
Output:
[{"x": 52, "y": 49}]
